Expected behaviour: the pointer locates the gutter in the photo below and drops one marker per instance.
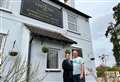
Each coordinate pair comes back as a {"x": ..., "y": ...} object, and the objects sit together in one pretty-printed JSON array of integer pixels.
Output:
[{"x": 29, "y": 60}]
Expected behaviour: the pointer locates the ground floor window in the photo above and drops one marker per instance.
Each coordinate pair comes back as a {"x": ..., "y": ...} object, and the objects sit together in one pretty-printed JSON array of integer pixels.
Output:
[{"x": 52, "y": 58}]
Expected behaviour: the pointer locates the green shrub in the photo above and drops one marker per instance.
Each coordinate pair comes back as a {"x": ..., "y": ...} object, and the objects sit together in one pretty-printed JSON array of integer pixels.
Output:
[{"x": 102, "y": 69}]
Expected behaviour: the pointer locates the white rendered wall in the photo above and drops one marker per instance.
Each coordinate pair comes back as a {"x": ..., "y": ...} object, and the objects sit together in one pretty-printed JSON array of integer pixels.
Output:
[
  {"x": 38, "y": 57},
  {"x": 15, "y": 23},
  {"x": 17, "y": 32}
]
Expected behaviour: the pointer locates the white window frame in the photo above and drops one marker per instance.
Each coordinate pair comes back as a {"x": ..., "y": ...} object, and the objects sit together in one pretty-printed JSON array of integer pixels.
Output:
[
  {"x": 54, "y": 69},
  {"x": 75, "y": 16}
]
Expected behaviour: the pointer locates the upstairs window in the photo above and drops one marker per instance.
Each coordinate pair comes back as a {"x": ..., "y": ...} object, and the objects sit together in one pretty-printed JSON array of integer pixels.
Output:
[
  {"x": 4, "y": 3},
  {"x": 72, "y": 22},
  {"x": 1, "y": 3}
]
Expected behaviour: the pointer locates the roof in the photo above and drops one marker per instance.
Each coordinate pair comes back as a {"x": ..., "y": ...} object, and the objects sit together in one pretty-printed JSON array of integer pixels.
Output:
[
  {"x": 50, "y": 34},
  {"x": 70, "y": 8}
]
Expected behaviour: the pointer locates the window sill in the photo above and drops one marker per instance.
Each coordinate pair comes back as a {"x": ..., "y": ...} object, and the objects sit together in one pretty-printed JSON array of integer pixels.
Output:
[
  {"x": 5, "y": 10},
  {"x": 53, "y": 70},
  {"x": 74, "y": 32}
]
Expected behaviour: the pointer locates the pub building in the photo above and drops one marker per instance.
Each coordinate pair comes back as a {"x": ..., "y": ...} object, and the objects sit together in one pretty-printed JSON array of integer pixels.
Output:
[{"x": 28, "y": 26}]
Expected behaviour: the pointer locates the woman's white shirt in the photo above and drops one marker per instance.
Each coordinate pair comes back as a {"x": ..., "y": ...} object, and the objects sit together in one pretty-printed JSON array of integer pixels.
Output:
[{"x": 77, "y": 65}]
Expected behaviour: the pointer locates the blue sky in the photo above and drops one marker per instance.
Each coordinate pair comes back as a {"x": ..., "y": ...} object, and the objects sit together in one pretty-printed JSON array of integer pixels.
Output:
[{"x": 101, "y": 12}]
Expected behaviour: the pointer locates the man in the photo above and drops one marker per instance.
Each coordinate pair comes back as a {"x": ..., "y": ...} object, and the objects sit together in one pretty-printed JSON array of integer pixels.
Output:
[{"x": 78, "y": 67}]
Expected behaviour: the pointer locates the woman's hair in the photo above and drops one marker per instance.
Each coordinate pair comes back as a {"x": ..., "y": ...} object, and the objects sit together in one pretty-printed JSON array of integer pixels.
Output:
[{"x": 74, "y": 49}]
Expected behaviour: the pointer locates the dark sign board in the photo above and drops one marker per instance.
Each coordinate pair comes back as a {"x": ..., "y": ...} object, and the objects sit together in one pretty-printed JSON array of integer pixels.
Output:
[{"x": 42, "y": 11}]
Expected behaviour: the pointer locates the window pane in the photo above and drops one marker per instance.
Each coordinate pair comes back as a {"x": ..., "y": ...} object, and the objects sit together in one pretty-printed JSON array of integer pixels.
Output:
[
  {"x": 52, "y": 58},
  {"x": 1, "y": 3},
  {"x": 1, "y": 37},
  {"x": 72, "y": 21},
  {"x": 72, "y": 27},
  {"x": 4, "y": 3}
]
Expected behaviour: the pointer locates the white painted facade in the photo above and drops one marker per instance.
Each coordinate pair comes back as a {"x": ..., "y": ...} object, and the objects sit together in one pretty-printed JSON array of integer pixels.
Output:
[{"x": 15, "y": 24}]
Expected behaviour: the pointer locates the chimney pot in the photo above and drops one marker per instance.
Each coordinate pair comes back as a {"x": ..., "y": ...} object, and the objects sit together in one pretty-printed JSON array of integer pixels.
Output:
[{"x": 65, "y": 1}]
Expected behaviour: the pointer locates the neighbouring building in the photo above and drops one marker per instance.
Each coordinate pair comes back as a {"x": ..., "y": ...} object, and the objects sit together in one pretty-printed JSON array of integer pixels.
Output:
[{"x": 28, "y": 25}]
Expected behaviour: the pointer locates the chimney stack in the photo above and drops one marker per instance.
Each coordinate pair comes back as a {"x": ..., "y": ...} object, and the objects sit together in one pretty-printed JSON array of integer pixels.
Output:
[
  {"x": 69, "y": 2},
  {"x": 65, "y": 1}
]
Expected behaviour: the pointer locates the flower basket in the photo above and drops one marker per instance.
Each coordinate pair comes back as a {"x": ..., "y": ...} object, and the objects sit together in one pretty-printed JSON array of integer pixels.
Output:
[
  {"x": 67, "y": 51},
  {"x": 45, "y": 49}
]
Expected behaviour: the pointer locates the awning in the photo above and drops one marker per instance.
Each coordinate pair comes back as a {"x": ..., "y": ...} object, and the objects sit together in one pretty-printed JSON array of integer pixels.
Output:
[{"x": 49, "y": 34}]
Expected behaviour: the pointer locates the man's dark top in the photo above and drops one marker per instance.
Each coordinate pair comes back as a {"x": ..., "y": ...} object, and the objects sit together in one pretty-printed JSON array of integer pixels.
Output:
[{"x": 68, "y": 70}]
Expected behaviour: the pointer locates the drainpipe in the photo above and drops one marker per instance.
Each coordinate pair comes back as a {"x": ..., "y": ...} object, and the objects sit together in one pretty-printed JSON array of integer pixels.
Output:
[{"x": 29, "y": 59}]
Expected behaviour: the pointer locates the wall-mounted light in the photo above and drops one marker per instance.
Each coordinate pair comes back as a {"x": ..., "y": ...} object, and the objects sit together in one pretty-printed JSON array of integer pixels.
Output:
[{"x": 92, "y": 59}]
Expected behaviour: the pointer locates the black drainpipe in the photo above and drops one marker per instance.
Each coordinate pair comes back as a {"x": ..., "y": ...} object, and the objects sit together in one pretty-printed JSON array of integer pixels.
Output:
[{"x": 29, "y": 59}]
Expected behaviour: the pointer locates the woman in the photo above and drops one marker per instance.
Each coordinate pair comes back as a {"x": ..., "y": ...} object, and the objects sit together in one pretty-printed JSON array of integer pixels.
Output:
[
  {"x": 67, "y": 68},
  {"x": 78, "y": 67}
]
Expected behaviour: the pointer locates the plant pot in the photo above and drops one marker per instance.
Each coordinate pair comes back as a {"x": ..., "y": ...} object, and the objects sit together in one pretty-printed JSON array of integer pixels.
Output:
[
  {"x": 67, "y": 51},
  {"x": 45, "y": 49},
  {"x": 13, "y": 53}
]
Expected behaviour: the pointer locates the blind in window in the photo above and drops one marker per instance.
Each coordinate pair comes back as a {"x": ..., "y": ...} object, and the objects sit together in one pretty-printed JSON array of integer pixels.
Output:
[{"x": 72, "y": 21}]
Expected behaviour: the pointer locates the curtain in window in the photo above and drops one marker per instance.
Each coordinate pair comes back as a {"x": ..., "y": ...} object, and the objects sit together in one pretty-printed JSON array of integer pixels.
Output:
[{"x": 72, "y": 21}]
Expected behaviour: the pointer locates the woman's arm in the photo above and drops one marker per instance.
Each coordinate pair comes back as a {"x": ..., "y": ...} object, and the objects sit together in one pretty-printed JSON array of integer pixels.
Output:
[{"x": 82, "y": 71}]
